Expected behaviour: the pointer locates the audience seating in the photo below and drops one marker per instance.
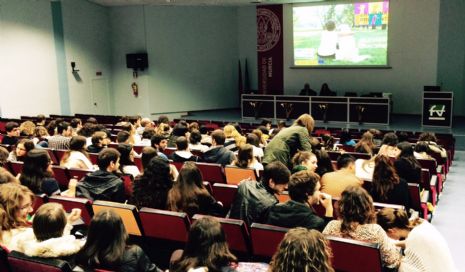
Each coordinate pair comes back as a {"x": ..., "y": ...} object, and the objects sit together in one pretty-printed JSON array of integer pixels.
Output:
[
  {"x": 211, "y": 172},
  {"x": 419, "y": 199},
  {"x": 234, "y": 175},
  {"x": 93, "y": 157},
  {"x": 138, "y": 163},
  {"x": 39, "y": 199},
  {"x": 224, "y": 193},
  {"x": 166, "y": 225},
  {"x": 283, "y": 197},
  {"x": 4, "y": 265},
  {"x": 16, "y": 167},
  {"x": 20, "y": 262},
  {"x": 265, "y": 239},
  {"x": 59, "y": 153},
  {"x": 61, "y": 174},
  {"x": 53, "y": 157},
  {"x": 355, "y": 256},
  {"x": 78, "y": 173},
  {"x": 237, "y": 233},
  {"x": 429, "y": 183},
  {"x": 128, "y": 181},
  {"x": 432, "y": 166},
  {"x": 70, "y": 203},
  {"x": 127, "y": 212}
]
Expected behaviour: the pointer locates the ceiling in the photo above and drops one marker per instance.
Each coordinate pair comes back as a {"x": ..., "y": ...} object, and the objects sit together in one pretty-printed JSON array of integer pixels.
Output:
[{"x": 196, "y": 2}]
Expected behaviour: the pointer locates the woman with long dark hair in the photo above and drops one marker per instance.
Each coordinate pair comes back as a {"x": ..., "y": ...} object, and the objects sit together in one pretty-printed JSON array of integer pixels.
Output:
[
  {"x": 206, "y": 247},
  {"x": 357, "y": 221},
  {"x": 126, "y": 160},
  {"x": 106, "y": 247},
  {"x": 246, "y": 159},
  {"x": 189, "y": 195},
  {"x": 387, "y": 186},
  {"x": 37, "y": 174},
  {"x": 151, "y": 189},
  {"x": 407, "y": 166}
]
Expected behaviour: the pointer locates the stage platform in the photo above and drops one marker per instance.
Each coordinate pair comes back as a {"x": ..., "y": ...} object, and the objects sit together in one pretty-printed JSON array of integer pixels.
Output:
[{"x": 397, "y": 122}]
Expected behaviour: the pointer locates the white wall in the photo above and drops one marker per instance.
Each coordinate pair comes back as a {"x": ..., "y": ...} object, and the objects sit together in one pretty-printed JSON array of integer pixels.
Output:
[
  {"x": 193, "y": 56},
  {"x": 28, "y": 70},
  {"x": 87, "y": 42},
  {"x": 413, "y": 56}
]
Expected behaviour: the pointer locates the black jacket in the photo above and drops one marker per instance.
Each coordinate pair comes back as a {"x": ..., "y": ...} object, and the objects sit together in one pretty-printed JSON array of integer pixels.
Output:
[
  {"x": 292, "y": 214},
  {"x": 252, "y": 202},
  {"x": 219, "y": 155},
  {"x": 101, "y": 185}
]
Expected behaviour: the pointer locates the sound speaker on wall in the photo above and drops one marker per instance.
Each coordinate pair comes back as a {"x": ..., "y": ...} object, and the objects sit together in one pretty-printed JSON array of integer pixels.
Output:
[{"x": 138, "y": 61}]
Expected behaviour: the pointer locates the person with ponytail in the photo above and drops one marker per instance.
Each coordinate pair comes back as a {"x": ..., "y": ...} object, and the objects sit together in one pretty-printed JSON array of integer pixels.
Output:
[{"x": 424, "y": 247}]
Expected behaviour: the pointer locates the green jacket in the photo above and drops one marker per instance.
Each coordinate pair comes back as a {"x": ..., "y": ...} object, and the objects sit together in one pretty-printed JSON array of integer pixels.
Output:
[{"x": 286, "y": 143}]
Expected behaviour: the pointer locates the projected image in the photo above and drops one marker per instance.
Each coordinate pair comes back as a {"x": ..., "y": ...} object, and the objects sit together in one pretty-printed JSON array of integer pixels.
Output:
[{"x": 341, "y": 35}]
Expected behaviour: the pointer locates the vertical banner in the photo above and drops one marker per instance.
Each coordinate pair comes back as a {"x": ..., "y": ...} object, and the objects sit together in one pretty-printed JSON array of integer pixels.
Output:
[{"x": 270, "y": 49}]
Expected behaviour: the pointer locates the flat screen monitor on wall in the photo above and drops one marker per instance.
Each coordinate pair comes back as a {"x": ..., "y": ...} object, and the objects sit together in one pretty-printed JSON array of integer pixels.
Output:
[{"x": 341, "y": 35}]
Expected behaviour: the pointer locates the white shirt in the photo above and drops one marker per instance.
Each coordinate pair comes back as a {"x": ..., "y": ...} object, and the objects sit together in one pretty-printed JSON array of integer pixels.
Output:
[{"x": 76, "y": 159}]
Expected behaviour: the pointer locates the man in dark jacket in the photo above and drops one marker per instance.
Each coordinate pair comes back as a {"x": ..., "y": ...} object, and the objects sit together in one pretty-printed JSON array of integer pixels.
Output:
[
  {"x": 103, "y": 184},
  {"x": 304, "y": 190},
  {"x": 218, "y": 153},
  {"x": 254, "y": 198}
]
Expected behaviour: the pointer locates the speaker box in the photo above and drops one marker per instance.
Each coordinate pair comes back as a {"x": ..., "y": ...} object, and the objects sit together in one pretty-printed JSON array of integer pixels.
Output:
[{"x": 137, "y": 61}]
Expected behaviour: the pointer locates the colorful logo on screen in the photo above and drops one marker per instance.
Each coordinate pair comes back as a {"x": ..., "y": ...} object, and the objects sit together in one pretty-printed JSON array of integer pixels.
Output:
[{"x": 436, "y": 112}]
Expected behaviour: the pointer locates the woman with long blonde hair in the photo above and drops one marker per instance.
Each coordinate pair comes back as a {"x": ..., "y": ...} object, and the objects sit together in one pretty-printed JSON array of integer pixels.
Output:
[
  {"x": 233, "y": 138},
  {"x": 302, "y": 250}
]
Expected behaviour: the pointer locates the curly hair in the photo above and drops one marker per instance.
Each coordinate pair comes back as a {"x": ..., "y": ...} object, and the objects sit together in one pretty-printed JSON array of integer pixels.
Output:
[
  {"x": 302, "y": 250},
  {"x": 151, "y": 189},
  {"x": 384, "y": 177},
  {"x": 355, "y": 207}
]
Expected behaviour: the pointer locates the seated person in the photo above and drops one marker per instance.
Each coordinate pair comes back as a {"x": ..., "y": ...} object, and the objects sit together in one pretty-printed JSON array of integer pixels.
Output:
[
  {"x": 37, "y": 173},
  {"x": 217, "y": 152},
  {"x": 357, "y": 221},
  {"x": 304, "y": 190},
  {"x": 182, "y": 152},
  {"x": 421, "y": 151},
  {"x": 346, "y": 139},
  {"x": 304, "y": 160},
  {"x": 99, "y": 141},
  {"x": 50, "y": 236},
  {"x": 389, "y": 145},
  {"x": 76, "y": 156},
  {"x": 326, "y": 91},
  {"x": 126, "y": 160},
  {"x": 19, "y": 153},
  {"x": 160, "y": 142},
  {"x": 194, "y": 141},
  {"x": 430, "y": 138},
  {"x": 254, "y": 198},
  {"x": 12, "y": 133},
  {"x": 103, "y": 184},
  {"x": 334, "y": 183},
  {"x": 245, "y": 159},
  {"x": 107, "y": 247},
  {"x": 147, "y": 135},
  {"x": 307, "y": 91}
]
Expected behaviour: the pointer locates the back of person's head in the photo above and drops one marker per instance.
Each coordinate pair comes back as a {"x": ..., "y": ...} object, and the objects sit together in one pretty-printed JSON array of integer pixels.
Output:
[
  {"x": 181, "y": 143},
  {"x": 301, "y": 156},
  {"x": 122, "y": 136},
  {"x": 218, "y": 136},
  {"x": 40, "y": 119},
  {"x": 302, "y": 185},
  {"x": 87, "y": 130},
  {"x": 389, "y": 218},
  {"x": 345, "y": 137},
  {"x": 302, "y": 250},
  {"x": 40, "y": 132},
  {"x": 27, "y": 128},
  {"x": 277, "y": 172},
  {"x": 7, "y": 177},
  {"x": 3, "y": 156},
  {"x": 163, "y": 119},
  {"x": 229, "y": 131},
  {"x": 148, "y": 133},
  {"x": 10, "y": 126},
  {"x": 92, "y": 120},
  {"x": 13, "y": 200},
  {"x": 77, "y": 143},
  {"x": 406, "y": 149},
  {"x": 252, "y": 139},
  {"x": 422, "y": 146},
  {"x": 264, "y": 130},
  {"x": 49, "y": 221},
  {"x": 195, "y": 137},
  {"x": 97, "y": 137},
  {"x": 35, "y": 169},
  {"x": 390, "y": 139},
  {"x": 325, "y": 164},
  {"x": 384, "y": 177},
  {"x": 148, "y": 153},
  {"x": 244, "y": 156},
  {"x": 367, "y": 137},
  {"x": 193, "y": 126},
  {"x": 125, "y": 151},
  {"x": 156, "y": 139},
  {"x": 355, "y": 206},
  {"x": 62, "y": 127},
  {"x": 402, "y": 136},
  {"x": 206, "y": 246},
  {"x": 105, "y": 243},
  {"x": 180, "y": 129},
  {"x": 427, "y": 137},
  {"x": 375, "y": 132},
  {"x": 75, "y": 122},
  {"x": 106, "y": 156},
  {"x": 281, "y": 124},
  {"x": 306, "y": 121},
  {"x": 127, "y": 127},
  {"x": 345, "y": 160}
]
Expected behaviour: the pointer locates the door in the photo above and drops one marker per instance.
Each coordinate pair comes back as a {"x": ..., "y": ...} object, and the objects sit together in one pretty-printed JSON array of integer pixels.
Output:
[{"x": 100, "y": 96}]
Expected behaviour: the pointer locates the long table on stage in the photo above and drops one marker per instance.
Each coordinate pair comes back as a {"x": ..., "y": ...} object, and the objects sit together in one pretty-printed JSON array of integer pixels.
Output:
[{"x": 371, "y": 110}]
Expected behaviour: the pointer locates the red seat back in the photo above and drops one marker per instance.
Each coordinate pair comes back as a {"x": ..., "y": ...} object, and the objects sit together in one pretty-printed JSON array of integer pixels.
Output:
[
  {"x": 38, "y": 201},
  {"x": 211, "y": 172},
  {"x": 78, "y": 173},
  {"x": 224, "y": 193},
  {"x": 61, "y": 175},
  {"x": 16, "y": 167},
  {"x": 23, "y": 263},
  {"x": 70, "y": 203},
  {"x": 265, "y": 239},
  {"x": 355, "y": 256},
  {"x": 167, "y": 225}
]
